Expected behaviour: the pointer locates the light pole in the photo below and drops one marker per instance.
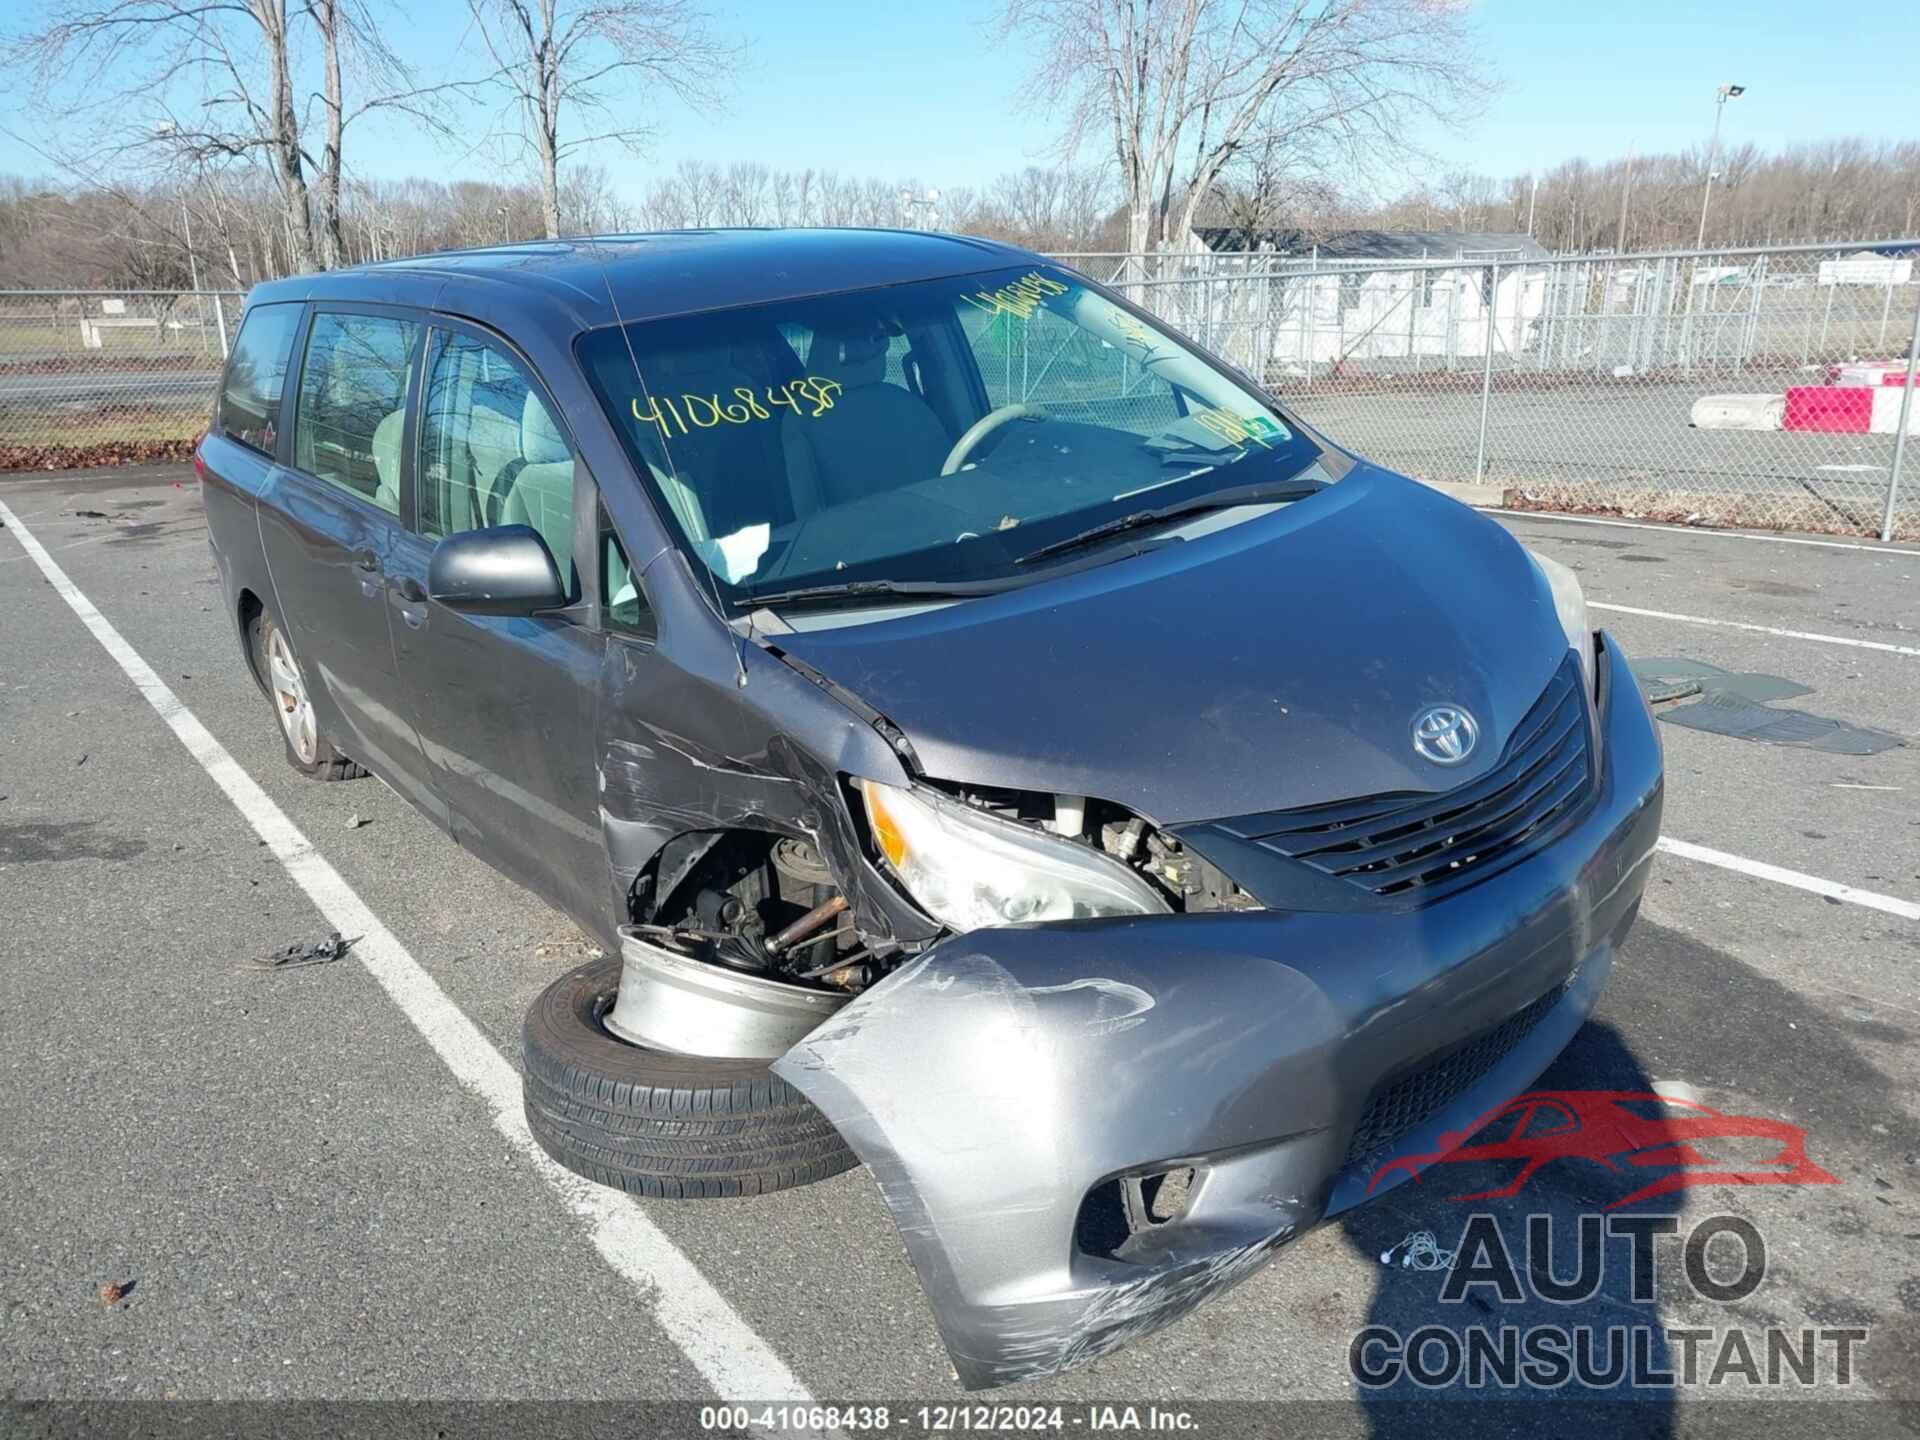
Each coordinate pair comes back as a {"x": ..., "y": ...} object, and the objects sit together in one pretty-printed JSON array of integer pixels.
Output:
[
  {"x": 1720, "y": 98},
  {"x": 1626, "y": 195}
]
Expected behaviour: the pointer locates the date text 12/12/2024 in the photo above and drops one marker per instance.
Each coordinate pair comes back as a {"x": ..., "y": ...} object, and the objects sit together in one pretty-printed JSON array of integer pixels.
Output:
[{"x": 944, "y": 1419}]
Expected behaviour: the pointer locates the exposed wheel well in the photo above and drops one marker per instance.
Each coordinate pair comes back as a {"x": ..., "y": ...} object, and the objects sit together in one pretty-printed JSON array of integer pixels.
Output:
[
  {"x": 751, "y": 884},
  {"x": 250, "y": 609}
]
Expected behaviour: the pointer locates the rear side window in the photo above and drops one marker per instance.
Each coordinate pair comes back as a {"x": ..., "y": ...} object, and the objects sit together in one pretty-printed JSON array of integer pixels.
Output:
[
  {"x": 256, "y": 373},
  {"x": 351, "y": 415}
]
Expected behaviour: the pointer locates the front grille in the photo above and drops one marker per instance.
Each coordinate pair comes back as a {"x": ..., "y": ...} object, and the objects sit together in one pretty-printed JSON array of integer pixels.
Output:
[
  {"x": 1404, "y": 1104},
  {"x": 1421, "y": 846}
]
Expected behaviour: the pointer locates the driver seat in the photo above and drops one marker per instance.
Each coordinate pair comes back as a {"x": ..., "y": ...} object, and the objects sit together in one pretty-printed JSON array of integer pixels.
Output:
[{"x": 877, "y": 436}]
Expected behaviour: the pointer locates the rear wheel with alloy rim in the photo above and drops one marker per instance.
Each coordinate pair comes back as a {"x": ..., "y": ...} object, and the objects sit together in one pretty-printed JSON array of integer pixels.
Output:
[{"x": 308, "y": 751}]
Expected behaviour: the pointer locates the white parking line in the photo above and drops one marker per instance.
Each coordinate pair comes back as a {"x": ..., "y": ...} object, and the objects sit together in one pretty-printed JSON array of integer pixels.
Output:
[
  {"x": 1546, "y": 515},
  {"x": 1833, "y": 890},
  {"x": 1759, "y": 629},
  {"x": 727, "y": 1352},
  {"x": 57, "y": 549}
]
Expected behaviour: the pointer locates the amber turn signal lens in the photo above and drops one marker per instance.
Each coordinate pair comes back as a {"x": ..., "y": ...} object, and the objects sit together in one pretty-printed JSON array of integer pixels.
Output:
[{"x": 886, "y": 831}]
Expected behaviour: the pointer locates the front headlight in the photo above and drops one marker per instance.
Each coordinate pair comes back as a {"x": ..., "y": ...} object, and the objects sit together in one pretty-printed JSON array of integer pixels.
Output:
[
  {"x": 970, "y": 870},
  {"x": 1570, "y": 603}
]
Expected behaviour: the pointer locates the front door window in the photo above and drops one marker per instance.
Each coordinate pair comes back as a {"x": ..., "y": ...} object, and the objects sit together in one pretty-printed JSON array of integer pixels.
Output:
[{"x": 490, "y": 450}]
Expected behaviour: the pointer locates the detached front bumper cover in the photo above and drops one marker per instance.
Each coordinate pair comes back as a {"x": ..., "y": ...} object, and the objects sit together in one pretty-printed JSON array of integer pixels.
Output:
[{"x": 994, "y": 1082}]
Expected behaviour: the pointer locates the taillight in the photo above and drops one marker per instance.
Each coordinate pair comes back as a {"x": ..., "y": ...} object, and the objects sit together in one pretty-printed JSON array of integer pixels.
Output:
[{"x": 199, "y": 465}]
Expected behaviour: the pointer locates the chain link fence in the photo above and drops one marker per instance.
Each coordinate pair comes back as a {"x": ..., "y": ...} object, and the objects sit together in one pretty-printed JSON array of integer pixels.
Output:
[
  {"x": 96, "y": 376},
  {"x": 1721, "y": 388}
]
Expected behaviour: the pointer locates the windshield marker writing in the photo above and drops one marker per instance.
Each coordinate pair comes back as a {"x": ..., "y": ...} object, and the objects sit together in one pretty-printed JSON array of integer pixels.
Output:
[
  {"x": 705, "y": 412},
  {"x": 1022, "y": 297}
]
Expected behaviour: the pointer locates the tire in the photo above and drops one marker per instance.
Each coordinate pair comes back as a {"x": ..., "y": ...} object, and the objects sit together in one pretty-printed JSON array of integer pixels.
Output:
[
  {"x": 671, "y": 1127},
  {"x": 284, "y": 679}
]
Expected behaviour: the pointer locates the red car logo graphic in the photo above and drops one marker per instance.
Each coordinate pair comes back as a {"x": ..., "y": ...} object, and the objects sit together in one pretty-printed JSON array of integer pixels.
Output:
[{"x": 1629, "y": 1129}]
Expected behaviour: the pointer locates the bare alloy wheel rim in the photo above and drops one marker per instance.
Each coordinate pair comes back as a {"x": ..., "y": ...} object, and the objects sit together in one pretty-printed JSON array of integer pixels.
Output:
[{"x": 290, "y": 701}]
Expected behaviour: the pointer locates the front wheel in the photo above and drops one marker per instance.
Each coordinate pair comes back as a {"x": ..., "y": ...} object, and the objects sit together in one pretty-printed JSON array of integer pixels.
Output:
[
  {"x": 308, "y": 751},
  {"x": 674, "y": 1127}
]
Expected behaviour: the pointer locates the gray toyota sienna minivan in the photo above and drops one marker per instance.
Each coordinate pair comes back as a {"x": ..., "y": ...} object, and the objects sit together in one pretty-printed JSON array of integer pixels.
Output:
[{"x": 993, "y": 739}]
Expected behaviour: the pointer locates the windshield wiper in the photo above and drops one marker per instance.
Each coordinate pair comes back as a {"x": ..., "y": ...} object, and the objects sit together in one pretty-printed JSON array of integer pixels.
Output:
[
  {"x": 1213, "y": 500},
  {"x": 857, "y": 590},
  {"x": 863, "y": 589}
]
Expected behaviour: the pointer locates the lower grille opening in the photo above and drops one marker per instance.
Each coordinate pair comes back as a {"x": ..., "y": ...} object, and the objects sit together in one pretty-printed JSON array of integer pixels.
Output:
[
  {"x": 1411, "y": 1099},
  {"x": 1117, "y": 1210}
]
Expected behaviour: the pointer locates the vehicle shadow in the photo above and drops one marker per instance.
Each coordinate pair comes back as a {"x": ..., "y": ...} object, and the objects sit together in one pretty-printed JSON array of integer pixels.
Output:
[{"x": 1407, "y": 1297}]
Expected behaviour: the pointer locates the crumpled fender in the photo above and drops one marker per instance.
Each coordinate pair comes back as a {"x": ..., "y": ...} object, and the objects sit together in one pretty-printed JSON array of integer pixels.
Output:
[{"x": 989, "y": 1084}]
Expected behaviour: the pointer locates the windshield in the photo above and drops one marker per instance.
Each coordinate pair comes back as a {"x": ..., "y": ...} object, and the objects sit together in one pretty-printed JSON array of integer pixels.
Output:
[{"x": 928, "y": 433}]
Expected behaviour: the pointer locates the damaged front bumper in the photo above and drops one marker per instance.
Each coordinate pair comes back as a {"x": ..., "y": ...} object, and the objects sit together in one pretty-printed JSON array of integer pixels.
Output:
[{"x": 997, "y": 1081}]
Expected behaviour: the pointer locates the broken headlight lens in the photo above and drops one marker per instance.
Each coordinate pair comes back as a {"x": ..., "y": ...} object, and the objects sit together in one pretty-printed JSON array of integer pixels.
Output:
[
  {"x": 1570, "y": 603},
  {"x": 970, "y": 870}
]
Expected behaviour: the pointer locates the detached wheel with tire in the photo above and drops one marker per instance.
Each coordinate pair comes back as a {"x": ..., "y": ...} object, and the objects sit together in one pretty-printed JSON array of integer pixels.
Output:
[
  {"x": 673, "y": 1127},
  {"x": 308, "y": 751}
]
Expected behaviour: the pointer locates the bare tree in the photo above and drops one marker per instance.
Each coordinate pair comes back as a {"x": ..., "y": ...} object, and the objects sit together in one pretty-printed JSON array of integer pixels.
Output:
[
  {"x": 115, "y": 65},
  {"x": 1268, "y": 189},
  {"x": 562, "y": 61},
  {"x": 1050, "y": 207},
  {"x": 1844, "y": 189},
  {"x": 198, "y": 86},
  {"x": 1178, "y": 88},
  {"x": 745, "y": 190},
  {"x": 349, "y": 35}
]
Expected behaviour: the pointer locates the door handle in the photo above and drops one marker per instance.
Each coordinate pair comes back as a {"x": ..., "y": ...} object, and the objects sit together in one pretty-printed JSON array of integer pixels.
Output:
[
  {"x": 366, "y": 567},
  {"x": 410, "y": 599}
]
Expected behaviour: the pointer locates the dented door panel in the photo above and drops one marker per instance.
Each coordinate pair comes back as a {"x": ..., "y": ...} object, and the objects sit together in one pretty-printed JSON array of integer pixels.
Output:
[{"x": 684, "y": 747}]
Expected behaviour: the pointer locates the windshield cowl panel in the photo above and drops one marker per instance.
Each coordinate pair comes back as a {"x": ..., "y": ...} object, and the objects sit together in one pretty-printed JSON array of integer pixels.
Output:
[{"x": 927, "y": 434}]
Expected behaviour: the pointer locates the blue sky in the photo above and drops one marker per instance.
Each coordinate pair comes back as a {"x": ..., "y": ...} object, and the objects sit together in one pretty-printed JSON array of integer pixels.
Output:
[{"x": 920, "y": 88}]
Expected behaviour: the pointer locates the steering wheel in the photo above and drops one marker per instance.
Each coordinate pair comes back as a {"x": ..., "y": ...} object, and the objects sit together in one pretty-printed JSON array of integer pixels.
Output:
[{"x": 985, "y": 426}]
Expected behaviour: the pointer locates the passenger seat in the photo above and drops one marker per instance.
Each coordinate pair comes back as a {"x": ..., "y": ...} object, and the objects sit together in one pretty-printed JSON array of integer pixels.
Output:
[
  {"x": 386, "y": 460},
  {"x": 541, "y": 495},
  {"x": 733, "y": 470}
]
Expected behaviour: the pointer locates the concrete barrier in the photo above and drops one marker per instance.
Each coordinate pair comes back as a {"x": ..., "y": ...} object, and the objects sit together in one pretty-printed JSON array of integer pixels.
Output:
[
  {"x": 1868, "y": 372},
  {"x": 1739, "y": 412},
  {"x": 1830, "y": 409},
  {"x": 1886, "y": 410}
]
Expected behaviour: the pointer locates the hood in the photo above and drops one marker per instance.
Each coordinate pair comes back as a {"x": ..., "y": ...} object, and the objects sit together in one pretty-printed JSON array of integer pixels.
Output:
[{"x": 1272, "y": 664}]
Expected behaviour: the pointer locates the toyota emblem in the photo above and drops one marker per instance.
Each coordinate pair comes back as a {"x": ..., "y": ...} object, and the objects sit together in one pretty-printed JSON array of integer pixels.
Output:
[{"x": 1445, "y": 734}]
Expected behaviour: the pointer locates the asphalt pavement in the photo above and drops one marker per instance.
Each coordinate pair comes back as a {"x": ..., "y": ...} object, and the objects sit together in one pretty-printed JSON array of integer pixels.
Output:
[
  {"x": 1591, "y": 440},
  {"x": 302, "y": 1197}
]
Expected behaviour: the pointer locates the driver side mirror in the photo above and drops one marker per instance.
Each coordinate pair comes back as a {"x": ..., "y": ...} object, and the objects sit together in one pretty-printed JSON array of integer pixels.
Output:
[{"x": 502, "y": 570}]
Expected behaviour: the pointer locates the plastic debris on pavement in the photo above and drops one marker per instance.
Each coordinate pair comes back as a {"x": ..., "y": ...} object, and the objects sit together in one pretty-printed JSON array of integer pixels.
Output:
[
  {"x": 1739, "y": 705},
  {"x": 1420, "y": 1251},
  {"x": 1658, "y": 673},
  {"x": 1722, "y": 714},
  {"x": 306, "y": 952}
]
